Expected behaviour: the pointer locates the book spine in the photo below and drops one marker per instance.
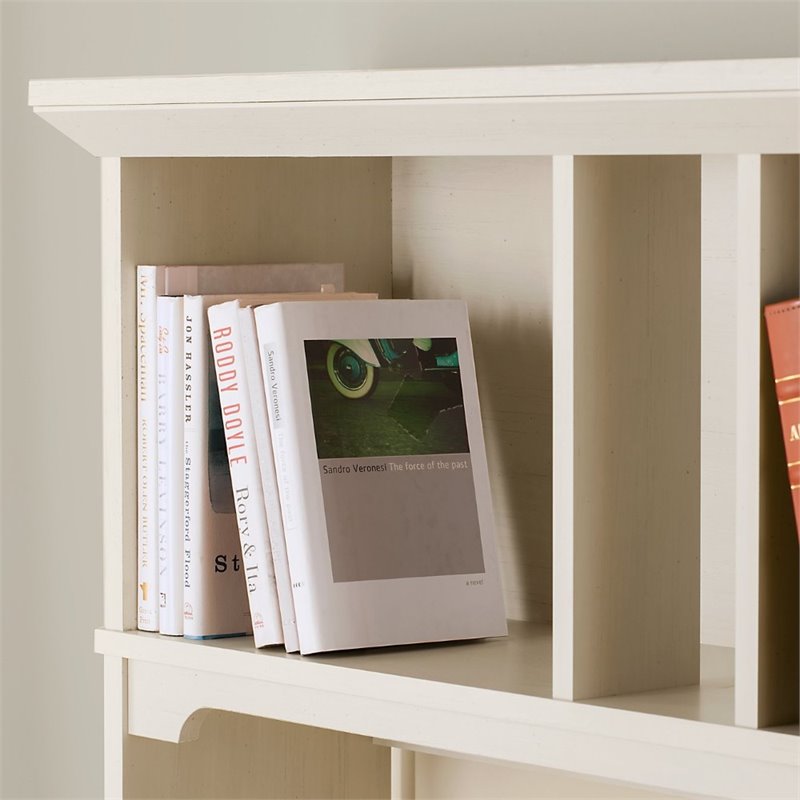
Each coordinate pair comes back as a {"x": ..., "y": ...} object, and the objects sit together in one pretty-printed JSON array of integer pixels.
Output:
[
  {"x": 237, "y": 420},
  {"x": 276, "y": 360},
  {"x": 162, "y": 345},
  {"x": 269, "y": 484},
  {"x": 783, "y": 331},
  {"x": 170, "y": 462},
  {"x": 193, "y": 401},
  {"x": 147, "y": 450}
]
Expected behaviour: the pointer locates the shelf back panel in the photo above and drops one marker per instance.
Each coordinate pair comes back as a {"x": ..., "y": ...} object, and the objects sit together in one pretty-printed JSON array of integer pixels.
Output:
[
  {"x": 253, "y": 210},
  {"x": 438, "y": 777},
  {"x": 636, "y": 361},
  {"x": 241, "y": 756},
  {"x": 480, "y": 229}
]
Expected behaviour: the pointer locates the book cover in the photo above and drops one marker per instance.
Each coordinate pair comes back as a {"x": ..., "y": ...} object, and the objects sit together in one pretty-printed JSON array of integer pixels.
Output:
[
  {"x": 783, "y": 331},
  {"x": 170, "y": 464},
  {"x": 384, "y": 487}
]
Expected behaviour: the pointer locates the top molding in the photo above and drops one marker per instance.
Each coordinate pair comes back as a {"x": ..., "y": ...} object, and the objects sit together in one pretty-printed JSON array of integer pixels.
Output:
[
  {"x": 679, "y": 77},
  {"x": 745, "y": 106}
]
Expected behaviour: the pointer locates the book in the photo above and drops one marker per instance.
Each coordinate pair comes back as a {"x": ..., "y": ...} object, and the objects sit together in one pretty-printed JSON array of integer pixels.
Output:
[
  {"x": 266, "y": 471},
  {"x": 250, "y": 460},
  {"x": 271, "y": 620},
  {"x": 215, "y": 599},
  {"x": 783, "y": 332},
  {"x": 384, "y": 488},
  {"x": 237, "y": 279},
  {"x": 170, "y": 464},
  {"x": 146, "y": 449}
]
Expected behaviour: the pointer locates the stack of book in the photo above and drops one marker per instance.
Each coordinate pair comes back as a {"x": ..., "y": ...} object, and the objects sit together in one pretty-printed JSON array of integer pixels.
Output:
[{"x": 311, "y": 463}]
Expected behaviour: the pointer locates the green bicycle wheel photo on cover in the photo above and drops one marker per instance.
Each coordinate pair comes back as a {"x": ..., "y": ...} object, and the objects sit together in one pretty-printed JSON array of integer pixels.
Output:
[{"x": 386, "y": 397}]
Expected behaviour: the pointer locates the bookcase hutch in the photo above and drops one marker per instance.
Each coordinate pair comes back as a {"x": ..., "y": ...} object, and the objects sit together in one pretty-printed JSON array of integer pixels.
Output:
[{"x": 615, "y": 230}]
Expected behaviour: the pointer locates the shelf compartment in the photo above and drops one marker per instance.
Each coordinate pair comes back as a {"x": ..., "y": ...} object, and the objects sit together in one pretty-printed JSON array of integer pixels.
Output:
[
  {"x": 475, "y": 228},
  {"x": 483, "y": 699},
  {"x": 216, "y": 211},
  {"x": 766, "y": 240}
]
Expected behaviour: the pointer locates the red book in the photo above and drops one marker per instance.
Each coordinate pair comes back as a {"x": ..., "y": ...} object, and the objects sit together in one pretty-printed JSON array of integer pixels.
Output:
[{"x": 783, "y": 330}]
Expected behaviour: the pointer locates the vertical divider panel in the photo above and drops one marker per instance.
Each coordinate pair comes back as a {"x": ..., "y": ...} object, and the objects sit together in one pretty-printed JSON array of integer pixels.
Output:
[
  {"x": 563, "y": 426},
  {"x": 118, "y": 315},
  {"x": 636, "y": 425},
  {"x": 403, "y": 778},
  {"x": 766, "y": 550},
  {"x": 115, "y": 726},
  {"x": 748, "y": 379}
]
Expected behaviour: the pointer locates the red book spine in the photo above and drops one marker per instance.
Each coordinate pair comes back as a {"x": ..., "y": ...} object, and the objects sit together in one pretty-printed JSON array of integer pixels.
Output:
[{"x": 783, "y": 330}]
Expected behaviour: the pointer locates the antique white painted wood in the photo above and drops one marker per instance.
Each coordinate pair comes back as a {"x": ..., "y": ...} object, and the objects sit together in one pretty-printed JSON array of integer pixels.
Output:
[
  {"x": 700, "y": 107},
  {"x": 779, "y": 74},
  {"x": 483, "y": 702},
  {"x": 525, "y": 214}
]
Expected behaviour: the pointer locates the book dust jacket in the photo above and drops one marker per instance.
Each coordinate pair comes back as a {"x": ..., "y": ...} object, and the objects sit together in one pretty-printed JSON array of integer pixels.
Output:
[{"x": 382, "y": 470}]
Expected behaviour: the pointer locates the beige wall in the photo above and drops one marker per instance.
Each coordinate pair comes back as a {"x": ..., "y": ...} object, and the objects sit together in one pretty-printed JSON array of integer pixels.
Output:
[{"x": 51, "y": 472}]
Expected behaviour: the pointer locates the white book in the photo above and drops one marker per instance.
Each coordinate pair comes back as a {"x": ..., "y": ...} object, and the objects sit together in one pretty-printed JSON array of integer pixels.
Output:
[
  {"x": 170, "y": 463},
  {"x": 376, "y": 428},
  {"x": 269, "y": 484},
  {"x": 162, "y": 452},
  {"x": 146, "y": 449},
  {"x": 214, "y": 596},
  {"x": 238, "y": 279},
  {"x": 248, "y": 498}
]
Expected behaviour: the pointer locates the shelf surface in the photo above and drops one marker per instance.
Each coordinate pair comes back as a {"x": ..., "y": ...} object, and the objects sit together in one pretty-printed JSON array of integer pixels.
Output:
[
  {"x": 487, "y": 699},
  {"x": 520, "y": 664},
  {"x": 712, "y": 701}
]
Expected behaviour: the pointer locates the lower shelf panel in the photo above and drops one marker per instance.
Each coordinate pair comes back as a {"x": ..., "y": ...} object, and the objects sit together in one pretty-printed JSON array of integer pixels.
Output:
[{"x": 482, "y": 700}]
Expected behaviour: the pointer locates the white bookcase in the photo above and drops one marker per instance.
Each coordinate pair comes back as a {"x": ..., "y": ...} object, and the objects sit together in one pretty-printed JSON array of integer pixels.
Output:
[{"x": 615, "y": 230}]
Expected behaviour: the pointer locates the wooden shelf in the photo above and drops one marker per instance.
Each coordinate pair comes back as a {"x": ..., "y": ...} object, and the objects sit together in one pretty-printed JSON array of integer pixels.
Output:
[
  {"x": 487, "y": 700},
  {"x": 615, "y": 231},
  {"x": 681, "y": 107}
]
